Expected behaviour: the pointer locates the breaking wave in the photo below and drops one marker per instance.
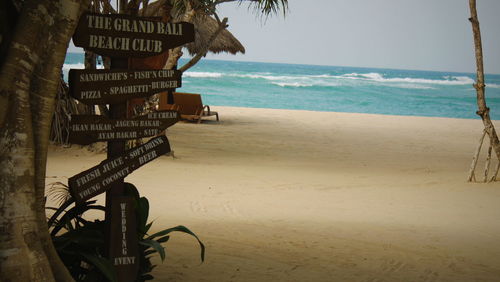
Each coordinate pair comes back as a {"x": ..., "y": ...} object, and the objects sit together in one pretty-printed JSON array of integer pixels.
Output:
[
  {"x": 373, "y": 76},
  {"x": 202, "y": 74},
  {"x": 292, "y": 84},
  {"x": 327, "y": 80}
]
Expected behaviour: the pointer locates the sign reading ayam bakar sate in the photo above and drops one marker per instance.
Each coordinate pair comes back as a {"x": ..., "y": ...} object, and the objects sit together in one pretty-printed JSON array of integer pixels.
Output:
[
  {"x": 86, "y": 129},
  {"x": 118, "y": 35},
  {"x": 94, "y": 87}
]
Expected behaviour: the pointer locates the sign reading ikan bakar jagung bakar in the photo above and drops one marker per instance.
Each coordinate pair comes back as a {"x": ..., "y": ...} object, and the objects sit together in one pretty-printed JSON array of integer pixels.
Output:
[
  {"x": 98, "y": 179},
  {"x": 122, "y": 36},
  {"x": 86, "y": 129},
  {"x": 116, "y": 86}
]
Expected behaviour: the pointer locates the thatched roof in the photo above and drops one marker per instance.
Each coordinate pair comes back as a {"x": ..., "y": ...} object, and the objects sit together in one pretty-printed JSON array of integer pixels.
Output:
[{"x": 204, "y": 27}]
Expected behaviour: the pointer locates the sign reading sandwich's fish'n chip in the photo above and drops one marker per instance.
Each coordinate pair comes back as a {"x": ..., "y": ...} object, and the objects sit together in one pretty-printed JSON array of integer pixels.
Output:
[{"x": 94, "y": 87}]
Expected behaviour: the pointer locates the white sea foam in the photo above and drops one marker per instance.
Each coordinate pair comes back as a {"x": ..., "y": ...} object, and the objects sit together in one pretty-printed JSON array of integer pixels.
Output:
[
  {"x": 67, "y": 67},
  {"x": 327, "y": 80},
  {"x": 202, "y": 74},
  {"x": 73, "y": 66},
  {"x": 447, "y": 80},
  {"x": 291, "y": 84}
]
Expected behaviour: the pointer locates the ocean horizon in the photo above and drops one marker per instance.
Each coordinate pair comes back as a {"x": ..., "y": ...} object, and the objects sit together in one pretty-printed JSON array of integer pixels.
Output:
[{"x": 333, "y": 88}]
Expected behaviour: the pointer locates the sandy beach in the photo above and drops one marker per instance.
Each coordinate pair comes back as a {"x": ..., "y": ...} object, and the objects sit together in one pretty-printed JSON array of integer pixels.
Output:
[{"x": 285, "y": 195}]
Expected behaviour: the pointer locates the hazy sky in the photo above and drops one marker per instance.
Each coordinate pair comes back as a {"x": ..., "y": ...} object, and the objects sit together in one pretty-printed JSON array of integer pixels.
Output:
[
  {"x": 404, "y": 34},
  {"x": 408, "y": 34}
]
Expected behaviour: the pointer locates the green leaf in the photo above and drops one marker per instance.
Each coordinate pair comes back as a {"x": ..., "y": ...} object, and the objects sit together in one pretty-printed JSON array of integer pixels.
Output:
[
  {"x": 163, "y": 239},
  {"x": 143, "y": 210},
  {"x": 130, "y": 190},
  {"x": 148, "y": 226},
  {"x": 183, "y": 229},
  {"x": 156, "y": 246},
  {"x": 147, "y": 277},
  {"x": 104, "y": 265}
]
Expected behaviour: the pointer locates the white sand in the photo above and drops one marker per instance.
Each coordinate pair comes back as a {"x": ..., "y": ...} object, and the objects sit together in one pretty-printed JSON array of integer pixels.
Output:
[{"x": 279, "y": 195}]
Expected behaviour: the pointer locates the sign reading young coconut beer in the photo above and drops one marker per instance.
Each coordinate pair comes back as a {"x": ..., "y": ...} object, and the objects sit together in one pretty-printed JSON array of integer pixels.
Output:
[
  {"x": 123, "y": 36},
  {"x": 116, "y": 86},
  {"x": 86, "y": 129},
  {"x": 98, "y": 179}
]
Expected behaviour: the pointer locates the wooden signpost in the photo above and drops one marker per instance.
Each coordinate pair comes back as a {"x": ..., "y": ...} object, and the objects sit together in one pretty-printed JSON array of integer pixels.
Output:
[
  {"x": 117, "y": 86},
  {"x": 86, "y": 129},
  {"x": 119, "y": 37}
]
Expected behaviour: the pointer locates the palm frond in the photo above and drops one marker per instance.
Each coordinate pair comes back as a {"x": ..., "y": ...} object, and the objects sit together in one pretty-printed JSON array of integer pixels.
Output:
[{"x": 59, "y": 192}]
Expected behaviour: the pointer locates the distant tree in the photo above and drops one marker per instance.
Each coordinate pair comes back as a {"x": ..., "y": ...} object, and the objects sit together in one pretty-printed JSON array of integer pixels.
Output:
[
  {"x": 483, "y": 110},
  {"x": 34, "y": 37}
]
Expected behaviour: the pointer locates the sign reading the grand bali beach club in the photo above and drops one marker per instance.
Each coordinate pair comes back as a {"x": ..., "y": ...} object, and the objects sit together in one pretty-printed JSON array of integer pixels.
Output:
[
  {"x": 116, "y": 86},
  {"x": 117, "y": 35}
]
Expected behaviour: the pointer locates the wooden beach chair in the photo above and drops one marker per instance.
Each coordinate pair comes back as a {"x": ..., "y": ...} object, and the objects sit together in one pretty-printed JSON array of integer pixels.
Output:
[{"x": 189, "y": 106}]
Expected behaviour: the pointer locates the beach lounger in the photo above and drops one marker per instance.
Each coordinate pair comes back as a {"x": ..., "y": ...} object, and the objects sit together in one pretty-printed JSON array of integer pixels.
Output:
[{"x": 189, "y": 106}]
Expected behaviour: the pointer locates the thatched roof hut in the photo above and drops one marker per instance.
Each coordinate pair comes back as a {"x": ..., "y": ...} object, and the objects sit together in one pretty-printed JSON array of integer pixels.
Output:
[{"x": 204, "y": 27}]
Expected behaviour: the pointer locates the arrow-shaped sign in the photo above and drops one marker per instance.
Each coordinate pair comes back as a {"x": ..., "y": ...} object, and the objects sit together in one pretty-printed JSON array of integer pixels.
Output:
[{"x": 98, "y": 179}]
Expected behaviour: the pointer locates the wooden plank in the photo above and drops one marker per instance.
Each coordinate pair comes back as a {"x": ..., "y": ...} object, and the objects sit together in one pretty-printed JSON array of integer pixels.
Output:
[
  {"x": 118, "y": 35},
  {"x": 124, "y": 245},
  {"x": 86, "y": 129},
  {"x": 116, "y": 86},
  {"x": 100, "y": 178}
]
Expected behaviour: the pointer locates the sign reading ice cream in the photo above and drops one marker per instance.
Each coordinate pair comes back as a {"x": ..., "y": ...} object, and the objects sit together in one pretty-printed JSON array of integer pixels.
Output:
[
  {"x": 86, "y": 129},
  {"x": 122, "y": 35}
]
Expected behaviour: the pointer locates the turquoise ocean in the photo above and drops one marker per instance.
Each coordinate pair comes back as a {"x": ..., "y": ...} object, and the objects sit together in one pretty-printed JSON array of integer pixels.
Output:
[{"x": 333, "y": 89}]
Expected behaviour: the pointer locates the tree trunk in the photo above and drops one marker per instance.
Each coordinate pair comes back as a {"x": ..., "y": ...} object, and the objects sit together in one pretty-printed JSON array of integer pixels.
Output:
[
  {"x": 175, "y": 54},
  {"x": 29, "y": 81},
  {"x": 483, "y": 110}
]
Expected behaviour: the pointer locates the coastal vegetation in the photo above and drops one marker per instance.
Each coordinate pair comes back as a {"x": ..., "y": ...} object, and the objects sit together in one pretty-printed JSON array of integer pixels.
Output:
[{"x": 34, "y": 39}]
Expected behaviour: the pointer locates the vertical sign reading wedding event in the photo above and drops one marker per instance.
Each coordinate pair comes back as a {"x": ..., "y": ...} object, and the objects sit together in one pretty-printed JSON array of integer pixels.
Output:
[{"x": 120, "y": 36}]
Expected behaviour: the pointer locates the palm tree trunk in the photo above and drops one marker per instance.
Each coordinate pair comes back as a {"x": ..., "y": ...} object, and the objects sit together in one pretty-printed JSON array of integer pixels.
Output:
[
  {"x": 175, "y": 54},
  {"x": 483, "y": 110},
  {"x": 29, "y": 81}
]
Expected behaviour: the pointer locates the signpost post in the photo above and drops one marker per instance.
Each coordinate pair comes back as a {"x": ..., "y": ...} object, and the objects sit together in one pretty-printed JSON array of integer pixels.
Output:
[{"x": 119, "y": 37}]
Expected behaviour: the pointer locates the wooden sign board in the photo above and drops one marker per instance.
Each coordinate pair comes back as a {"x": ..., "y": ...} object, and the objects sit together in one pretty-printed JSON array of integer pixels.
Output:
[
  {"x": 94, "y": 87},
  {"x": 124, "y": 251},
  {"x": 86, "y": 129},
  {"x": 117, "y": 35},
  {"x": 98, "y": 179}
]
